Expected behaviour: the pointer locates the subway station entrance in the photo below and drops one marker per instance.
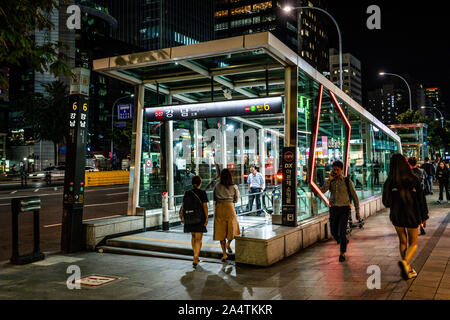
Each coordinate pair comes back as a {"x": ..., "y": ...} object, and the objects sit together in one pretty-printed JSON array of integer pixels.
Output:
[{"x": 236, "y": 103}]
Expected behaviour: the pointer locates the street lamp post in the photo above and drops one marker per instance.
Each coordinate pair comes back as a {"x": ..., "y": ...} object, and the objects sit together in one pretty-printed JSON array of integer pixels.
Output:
[
  {"x": 112, "y": 121},
  {"x": 409, "y": 88},
  {"x": 434, "y": 108},
  {"x": 288, "y": 9}
]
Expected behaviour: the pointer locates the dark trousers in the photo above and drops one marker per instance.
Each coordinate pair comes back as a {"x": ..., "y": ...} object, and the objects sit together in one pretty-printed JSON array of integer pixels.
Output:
[
  {"x": 443, "y": 185},
  {"x": 258, "y": 199},
  {"x": 338, "y": 225}
]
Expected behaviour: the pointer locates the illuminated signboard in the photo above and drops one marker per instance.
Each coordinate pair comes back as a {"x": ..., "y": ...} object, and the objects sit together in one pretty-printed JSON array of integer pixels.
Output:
[{"x": 248, "y": 107}]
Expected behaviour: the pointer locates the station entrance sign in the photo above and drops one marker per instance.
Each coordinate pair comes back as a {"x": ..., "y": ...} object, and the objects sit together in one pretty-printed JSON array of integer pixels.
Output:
[{"x": 247, "y": 107}]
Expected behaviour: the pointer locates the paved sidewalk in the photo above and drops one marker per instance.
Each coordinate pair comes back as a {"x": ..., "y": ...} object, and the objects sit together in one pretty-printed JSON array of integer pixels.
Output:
[{"x": 313, "y": 273}]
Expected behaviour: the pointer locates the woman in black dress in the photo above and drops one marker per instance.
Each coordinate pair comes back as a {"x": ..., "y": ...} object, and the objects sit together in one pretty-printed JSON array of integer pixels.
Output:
[
  {"x": 196, "y": 230},
  {"x": 403, "y": 194}
]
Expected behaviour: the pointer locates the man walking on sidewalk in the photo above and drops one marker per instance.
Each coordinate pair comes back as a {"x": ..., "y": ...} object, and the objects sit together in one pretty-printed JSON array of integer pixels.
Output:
[
  {"x": 430, "y": 171},
  {"x": 342, "y": 192}
]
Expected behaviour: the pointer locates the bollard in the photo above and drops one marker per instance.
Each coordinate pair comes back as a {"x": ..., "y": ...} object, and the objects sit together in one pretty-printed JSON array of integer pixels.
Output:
[
  {"x": 165, "y": 211},
  {"x": 18, "y": 205}
]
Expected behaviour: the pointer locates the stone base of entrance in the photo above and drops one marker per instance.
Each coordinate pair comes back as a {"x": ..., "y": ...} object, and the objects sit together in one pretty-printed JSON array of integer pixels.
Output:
[{"x": 269, "y": 244}]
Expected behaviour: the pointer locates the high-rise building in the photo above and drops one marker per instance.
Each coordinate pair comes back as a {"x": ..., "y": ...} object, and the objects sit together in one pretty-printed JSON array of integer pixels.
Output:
[
  {"x": 93, "y": 41},
  {"x": 351, "y": 69},
  {"x": 156, "y": 24},
  {"x": 433, "y": 99},
  {"x": 238, "y": 17},
  {"x": 313, "y": 37},
  {"x": 387, "y": 103}
]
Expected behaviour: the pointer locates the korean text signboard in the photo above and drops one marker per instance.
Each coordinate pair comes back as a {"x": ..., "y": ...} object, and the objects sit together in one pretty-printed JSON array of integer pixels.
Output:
[
  {"x": 289, "y": 187},
  {"x": 124, "y": 111},
  {"x": 74, "y": 183},
  {"x": 248, "y": 107}
]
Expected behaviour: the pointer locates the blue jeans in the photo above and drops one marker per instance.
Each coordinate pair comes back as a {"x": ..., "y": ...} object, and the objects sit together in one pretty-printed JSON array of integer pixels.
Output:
[
  {"x": 430, "y": 183},
  {"x": 258, "y": 199}
]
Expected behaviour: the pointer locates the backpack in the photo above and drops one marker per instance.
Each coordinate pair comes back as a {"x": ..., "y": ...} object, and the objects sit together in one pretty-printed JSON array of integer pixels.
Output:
[
  {"x": 422, "y": 175},
  {"x": 347, "y": 183},
  {"x": 192, "y": 208}
]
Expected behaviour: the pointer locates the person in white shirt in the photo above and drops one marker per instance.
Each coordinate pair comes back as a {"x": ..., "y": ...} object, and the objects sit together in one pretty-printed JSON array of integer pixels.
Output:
[{"x": 255, "y": 185}]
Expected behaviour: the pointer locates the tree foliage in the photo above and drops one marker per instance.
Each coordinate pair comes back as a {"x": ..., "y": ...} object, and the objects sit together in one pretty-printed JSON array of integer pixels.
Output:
[
  {"x": 47, "y": 114},
  {"x": 18, "y": 22},
  {"x": 438, "y": 137}
]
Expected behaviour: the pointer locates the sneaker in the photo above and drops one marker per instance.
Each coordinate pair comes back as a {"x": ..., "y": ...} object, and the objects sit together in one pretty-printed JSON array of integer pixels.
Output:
[{"x": 412, "y": 273}]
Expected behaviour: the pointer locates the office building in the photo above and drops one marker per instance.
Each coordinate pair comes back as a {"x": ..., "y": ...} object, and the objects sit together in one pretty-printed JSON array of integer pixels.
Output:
[
  {"x": 155, "y": 24},
  {"x": 433, "y": 99},
  {"x": 388, "y": 103},
  {"x": 240, "y": 17},
  {"x": 351, "y": 68}
]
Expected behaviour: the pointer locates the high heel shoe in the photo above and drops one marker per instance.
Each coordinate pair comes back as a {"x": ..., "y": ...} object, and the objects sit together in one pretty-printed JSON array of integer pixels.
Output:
[
  {"x": 224, "y": 258},
  {"x": 404, "y": 269},
  {"x": 195, "y": 263},
  {"x": 229, "y": 250}
]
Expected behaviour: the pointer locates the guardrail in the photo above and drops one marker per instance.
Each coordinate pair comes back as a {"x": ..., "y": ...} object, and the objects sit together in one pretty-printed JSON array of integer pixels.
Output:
[{"x": 106, "y": 178}]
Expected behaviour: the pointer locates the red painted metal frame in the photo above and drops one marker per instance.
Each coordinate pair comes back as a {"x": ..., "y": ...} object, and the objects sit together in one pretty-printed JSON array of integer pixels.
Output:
[
  {"x": 348, "y": 133},
  {"x": 315, "y": 135},
  {"x": 312, "y": 152}
]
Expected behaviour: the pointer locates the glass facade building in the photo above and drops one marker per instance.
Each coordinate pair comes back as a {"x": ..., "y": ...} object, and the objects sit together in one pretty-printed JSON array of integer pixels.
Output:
[{"x": 317, "y": 117}]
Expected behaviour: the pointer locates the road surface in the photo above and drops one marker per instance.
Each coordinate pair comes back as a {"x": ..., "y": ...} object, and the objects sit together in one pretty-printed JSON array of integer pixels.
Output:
[{"x": 100, "y": 202}]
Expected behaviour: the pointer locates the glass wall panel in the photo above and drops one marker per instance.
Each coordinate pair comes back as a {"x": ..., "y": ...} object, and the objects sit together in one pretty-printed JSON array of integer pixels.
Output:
[
  {"x": 307, "y": 100},
  {"x": 153, "y": 165}
]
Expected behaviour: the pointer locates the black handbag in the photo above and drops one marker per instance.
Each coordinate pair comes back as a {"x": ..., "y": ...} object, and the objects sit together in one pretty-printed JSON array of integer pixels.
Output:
[{"x": 192, "y": 209}]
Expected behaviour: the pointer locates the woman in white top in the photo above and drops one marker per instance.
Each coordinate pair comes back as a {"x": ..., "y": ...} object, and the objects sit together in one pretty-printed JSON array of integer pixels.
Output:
[{"x": 226, "y": 226}]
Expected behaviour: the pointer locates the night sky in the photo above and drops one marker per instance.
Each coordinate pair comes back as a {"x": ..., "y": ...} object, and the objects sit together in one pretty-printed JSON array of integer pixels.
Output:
[{"x": 414, "y": 39}]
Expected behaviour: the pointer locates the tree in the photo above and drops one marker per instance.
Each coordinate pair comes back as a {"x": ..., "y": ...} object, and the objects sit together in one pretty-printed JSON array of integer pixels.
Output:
[
  {"x": 18, "y": 21},
  {"x": 438, "y": 137},
  {"x": 47, "y": 115}
]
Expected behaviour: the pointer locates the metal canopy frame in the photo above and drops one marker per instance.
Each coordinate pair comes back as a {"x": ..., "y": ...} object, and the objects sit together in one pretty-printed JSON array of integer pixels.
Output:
[
  {"x": 186, "y": 62},
  {"x": 248, "y": 66}
]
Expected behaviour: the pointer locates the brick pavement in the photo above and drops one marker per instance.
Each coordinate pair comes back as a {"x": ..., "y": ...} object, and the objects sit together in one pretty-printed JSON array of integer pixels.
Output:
[{"x": 312, "y": 274}]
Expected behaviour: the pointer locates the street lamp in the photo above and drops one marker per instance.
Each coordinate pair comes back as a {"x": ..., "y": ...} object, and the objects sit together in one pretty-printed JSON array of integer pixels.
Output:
[
  {"x": 289, "y": 8},
  {"x": 112, "y": 120},
  {"x": 434, "y": 108},
  {"x": 409, "y": 89}
]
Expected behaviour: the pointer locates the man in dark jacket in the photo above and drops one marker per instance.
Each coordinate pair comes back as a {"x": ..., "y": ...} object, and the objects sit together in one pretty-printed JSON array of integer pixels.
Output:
[
  {"x": 429, "y": 169},
  {"x": 442, "y": 176}
]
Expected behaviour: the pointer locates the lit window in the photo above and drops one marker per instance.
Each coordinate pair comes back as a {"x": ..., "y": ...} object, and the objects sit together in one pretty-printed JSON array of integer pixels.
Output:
[
  {"x": 241, "y": 10},
  {"x": 222, "y": 13},
  {"x": 262, "y": 6},
  {"x": 221, "y": 26}
]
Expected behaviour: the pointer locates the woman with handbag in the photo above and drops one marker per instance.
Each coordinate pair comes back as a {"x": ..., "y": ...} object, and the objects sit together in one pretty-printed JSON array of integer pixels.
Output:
[
  {"x": 226, "y": 226},
  {"x": 403, "y": 194},
  {"x": 194, "y": 214}
]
